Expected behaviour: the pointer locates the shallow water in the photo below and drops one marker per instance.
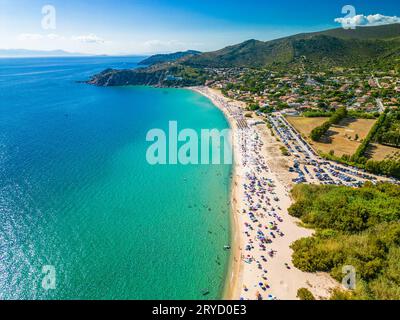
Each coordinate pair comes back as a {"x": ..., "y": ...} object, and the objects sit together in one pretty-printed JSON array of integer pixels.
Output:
[{"x": 77, "y": 193}]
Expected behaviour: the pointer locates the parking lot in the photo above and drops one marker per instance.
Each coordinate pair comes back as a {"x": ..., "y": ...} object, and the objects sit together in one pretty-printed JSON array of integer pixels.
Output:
[{"x": 309, "y": 167}]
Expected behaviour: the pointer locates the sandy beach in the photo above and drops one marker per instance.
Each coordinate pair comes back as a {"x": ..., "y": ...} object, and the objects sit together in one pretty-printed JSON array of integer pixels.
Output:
[{"x": 261, "y": 264}]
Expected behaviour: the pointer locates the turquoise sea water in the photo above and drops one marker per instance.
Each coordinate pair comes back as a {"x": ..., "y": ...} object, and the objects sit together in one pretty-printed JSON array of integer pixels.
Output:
[{"x": 77, "y": 193}]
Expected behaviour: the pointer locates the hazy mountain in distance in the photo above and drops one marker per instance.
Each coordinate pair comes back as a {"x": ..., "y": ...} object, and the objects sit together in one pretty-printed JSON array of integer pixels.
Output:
[{"x": 10, "y": 53}]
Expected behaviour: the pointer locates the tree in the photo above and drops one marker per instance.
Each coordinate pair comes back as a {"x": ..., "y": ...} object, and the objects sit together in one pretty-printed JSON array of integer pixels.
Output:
[{"x": 318, "y": 132}]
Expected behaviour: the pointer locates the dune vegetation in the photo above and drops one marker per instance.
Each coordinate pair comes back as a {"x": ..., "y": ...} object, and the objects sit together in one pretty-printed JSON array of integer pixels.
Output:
[{"x": 356, "y": 227}]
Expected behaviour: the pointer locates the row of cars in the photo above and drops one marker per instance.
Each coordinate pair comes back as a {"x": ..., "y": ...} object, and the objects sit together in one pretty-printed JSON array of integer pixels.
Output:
[{"x": 314, "y": 168}]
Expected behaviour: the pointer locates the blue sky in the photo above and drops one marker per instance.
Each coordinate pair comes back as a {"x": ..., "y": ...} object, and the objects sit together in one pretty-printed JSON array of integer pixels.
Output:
[{"x": 142, "y": 27}]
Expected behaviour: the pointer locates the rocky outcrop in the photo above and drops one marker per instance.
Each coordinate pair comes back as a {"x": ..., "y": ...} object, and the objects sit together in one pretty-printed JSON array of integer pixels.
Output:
[
  {"x": 111, "y": 77},
  {"x": 163, "y": 75}
]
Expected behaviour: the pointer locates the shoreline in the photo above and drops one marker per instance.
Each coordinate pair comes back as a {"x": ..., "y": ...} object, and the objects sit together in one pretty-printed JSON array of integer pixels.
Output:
[
  {"x": 275, "y": 272},
  {"x": 234, "y": 267}
]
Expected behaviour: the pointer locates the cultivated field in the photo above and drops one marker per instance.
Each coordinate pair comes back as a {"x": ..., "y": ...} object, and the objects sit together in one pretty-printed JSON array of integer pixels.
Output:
[
  {"x": 305, "y": 125},
  {"x": 340, "y": 138},
  {"x": 380, "y": 152}
]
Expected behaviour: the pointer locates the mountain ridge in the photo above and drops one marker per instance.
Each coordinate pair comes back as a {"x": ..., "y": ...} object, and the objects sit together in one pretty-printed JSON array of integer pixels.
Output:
[
  {"x": 168, "y": 57},
  {"x": 333, "y": 42},
  {"x": 330, "y": 48}
]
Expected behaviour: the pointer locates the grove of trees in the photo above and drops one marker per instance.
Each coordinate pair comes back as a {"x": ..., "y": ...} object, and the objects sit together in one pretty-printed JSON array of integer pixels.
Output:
[
  {"x": 357, "y": 227},
  {"x": 336, "y": 117}
]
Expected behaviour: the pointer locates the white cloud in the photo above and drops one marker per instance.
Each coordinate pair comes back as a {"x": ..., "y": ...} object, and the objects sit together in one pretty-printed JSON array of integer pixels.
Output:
[
  {"x": 30, "y": 36},
  {"x": 90, "y": 38},
  {"x": 169, "y": 45},
  {"x": 161, "y": 43},
  {"x": 53, "y": 36},
  {"x": 370, "y": 20},
  {"x": 37, "y": 37}
]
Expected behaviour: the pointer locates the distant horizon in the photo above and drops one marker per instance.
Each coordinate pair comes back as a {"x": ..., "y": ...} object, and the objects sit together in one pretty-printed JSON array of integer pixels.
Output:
[
  {"x": 140, "y": 28},
  {"x": 78, "y": 54},
  {"x": 67, "y": 54},
  {"x": 171, "y": 150}
]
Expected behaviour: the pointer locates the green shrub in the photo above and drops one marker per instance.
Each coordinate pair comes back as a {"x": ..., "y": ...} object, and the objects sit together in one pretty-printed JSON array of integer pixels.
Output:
[
  {"x": 338, "y": 294},
  {"x": 305, "y": 294},
  {"x": 357, "y": 227},
  {"x": 284, "y": 151}
]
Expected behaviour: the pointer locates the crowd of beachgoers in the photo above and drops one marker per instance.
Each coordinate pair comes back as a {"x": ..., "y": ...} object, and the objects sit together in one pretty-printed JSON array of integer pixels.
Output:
[
  {"x": 263, "y": 212},
  {"x": 260, "y": 203}
]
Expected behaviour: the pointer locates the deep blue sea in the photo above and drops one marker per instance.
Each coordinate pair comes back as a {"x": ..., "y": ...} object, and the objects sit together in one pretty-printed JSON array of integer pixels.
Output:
[{"x": 77, "y": 194}]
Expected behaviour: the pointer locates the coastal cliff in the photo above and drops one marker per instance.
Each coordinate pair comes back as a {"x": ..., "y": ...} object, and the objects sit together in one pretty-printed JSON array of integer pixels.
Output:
[
  {"x": 111, "y": 77},
  {"x": 163, "y": 75}
]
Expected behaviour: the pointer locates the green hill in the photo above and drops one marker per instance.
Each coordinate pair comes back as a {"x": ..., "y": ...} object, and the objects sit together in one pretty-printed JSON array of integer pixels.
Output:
[
  {"x": 248, "y": 53},
  {"x": 365, "y": 33},
  {"x": 373, "y": 47},
  {"x": 338, "y": 47},
  {"x": 170, "y": 57}
]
